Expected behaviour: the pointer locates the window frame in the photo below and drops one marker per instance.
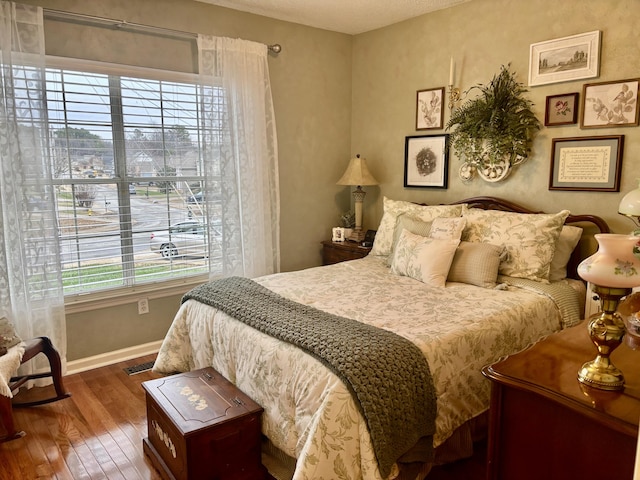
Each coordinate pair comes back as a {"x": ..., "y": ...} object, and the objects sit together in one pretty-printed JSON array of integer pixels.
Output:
[{"x": 109, "y": 297}]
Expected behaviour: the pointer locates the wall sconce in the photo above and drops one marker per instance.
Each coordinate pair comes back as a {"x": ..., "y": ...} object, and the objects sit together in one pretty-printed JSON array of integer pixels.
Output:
[
  {"x": 454, "y": 92},
  {"x": 357, "y": 174}
]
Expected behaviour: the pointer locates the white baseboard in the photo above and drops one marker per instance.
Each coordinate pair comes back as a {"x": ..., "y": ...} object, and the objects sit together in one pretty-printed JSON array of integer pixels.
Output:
[{"x": 109, "y": 358}]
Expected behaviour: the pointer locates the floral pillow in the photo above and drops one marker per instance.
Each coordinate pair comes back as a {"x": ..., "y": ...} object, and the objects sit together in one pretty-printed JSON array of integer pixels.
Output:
[
  {"x": 422, "y": 258},
  {"x": 383, "y": 242},
  {"x": 8, "y": 335},
  {"x": 529, "y": 239},
  {"x": 406, "y": 222}
]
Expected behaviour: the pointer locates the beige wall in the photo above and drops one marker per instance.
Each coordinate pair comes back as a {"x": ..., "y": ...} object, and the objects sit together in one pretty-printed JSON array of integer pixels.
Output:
[
  {"x": 337, "y": 95},
  {"x": 391, "y": 64}
]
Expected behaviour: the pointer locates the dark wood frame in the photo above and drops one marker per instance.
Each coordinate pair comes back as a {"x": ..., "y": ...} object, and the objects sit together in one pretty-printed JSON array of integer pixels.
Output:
[
  {"x": 550, "y": 103},
  {"x": 615, "y": 166},
  {"x": 418, "y": 109},
  {"x": 609, "y": 107},
  {"x": 442, "y": 156}
]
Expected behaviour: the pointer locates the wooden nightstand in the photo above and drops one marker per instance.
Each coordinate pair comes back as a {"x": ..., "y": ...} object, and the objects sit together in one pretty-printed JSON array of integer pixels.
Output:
[
  {"x": 544, "y": 424},
  {"x": 334, "y": 252}
]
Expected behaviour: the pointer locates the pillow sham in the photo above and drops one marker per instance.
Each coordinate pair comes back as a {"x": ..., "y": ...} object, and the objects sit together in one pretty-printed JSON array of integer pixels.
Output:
[
  {"x": 567, "y": 242},
  {"x": 447, "y": 228},
  {"x": 529, "y": 239},
  {"x": 422, "y": 258},
  {"x": 476, "y": 264},
  {"x": 392, "y": 208}
]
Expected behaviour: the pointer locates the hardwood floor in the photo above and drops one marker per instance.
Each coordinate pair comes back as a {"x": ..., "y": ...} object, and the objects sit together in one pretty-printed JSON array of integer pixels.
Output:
[{"x": 97, "y": 433}]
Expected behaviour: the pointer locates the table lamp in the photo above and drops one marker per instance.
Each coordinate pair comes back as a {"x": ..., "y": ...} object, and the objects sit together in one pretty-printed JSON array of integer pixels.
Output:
[
  {"x": 630, "y": 207},
  {"x": 613, "y": 271},
  {"x": 357, "y": 174}
]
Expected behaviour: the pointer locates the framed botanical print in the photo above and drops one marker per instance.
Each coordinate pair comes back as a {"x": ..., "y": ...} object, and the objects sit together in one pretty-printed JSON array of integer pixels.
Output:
[
  {"x": 429, "y": 111},
  {"x": 610, "y": 104},
  {"x": 426, "y": 161}
]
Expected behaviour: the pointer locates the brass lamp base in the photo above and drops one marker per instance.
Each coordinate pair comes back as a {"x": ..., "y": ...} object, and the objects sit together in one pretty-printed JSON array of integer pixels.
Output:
[{"x": 606, "y": 330}]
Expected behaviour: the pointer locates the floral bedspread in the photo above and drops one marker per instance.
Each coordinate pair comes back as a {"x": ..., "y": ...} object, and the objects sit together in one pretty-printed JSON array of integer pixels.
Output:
[{"x": 309, "y": 413}]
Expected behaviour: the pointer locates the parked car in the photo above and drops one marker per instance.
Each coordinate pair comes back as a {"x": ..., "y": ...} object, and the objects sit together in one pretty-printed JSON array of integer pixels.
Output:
[
  {"x": 197, "y": 198},
  {"x": 132, "y": 189},
  {"x": 182, "y": 239}
]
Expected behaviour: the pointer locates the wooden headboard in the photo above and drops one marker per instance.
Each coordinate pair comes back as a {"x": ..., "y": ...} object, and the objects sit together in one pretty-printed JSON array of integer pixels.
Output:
[{"x": 590, "y": 224}]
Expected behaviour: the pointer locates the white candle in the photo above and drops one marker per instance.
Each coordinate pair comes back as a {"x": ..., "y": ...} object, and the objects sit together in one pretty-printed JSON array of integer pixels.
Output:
[{"x": 451, "y": 70}]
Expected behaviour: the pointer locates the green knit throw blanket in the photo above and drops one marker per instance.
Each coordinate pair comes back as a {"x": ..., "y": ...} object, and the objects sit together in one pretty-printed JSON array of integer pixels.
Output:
[{"x": 387, "y": 375}]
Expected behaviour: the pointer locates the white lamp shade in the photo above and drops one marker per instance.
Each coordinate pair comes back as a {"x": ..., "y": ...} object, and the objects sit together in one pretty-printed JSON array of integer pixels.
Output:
[
  {"x": 615, "y": 264},
  {"x": 630, "y": 203},
  {"x": 357, "y": 173}
]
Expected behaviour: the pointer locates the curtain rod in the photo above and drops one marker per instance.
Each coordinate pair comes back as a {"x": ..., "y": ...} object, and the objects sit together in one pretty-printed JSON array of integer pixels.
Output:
[{"x": 123, "y": 24}]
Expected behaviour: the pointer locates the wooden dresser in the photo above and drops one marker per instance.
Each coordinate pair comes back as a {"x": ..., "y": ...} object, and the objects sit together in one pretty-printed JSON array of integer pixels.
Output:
[
  {"x": 334, "y": 252},
  {"x": 545, "y": 425}
]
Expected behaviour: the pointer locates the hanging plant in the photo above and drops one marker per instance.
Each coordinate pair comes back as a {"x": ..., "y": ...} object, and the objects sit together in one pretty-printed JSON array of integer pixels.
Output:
[{"x": 493, "y": 131}]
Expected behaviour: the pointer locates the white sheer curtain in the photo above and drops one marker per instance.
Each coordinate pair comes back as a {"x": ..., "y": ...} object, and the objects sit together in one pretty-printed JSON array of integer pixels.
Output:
[
  {"x": 30, "y": 280},
  {"x": 241, "y": 149}
]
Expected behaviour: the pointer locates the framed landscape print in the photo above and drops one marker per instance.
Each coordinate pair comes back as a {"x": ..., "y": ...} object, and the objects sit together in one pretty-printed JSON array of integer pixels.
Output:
[
  {"x": 586, "y": 163},
  {"x": 610, "y": 104},
  {"x": 426, "y": 161},
  {"x": 563, "y": 59},
  {"x": 429, "y": 111},
  {"x": 561, "y": 109}
]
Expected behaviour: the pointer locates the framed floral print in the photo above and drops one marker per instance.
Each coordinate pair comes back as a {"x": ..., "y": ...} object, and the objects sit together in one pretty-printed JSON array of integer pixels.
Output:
[
  {"x": 610, "y": 104},
  {"x": 429, "y": 111},
  {"x": 561, "y": 109}
]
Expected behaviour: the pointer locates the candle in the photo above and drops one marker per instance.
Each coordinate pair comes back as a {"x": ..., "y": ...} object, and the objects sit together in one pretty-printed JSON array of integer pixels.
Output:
[{"x": 451, "y": 70}]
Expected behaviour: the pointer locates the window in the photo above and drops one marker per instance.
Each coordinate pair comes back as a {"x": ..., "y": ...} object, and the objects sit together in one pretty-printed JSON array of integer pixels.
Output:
[{"x": 126, "y": 157}]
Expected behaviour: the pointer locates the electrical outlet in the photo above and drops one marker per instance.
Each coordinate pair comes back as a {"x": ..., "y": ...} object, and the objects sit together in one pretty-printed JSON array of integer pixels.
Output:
[{"x": 143, "y": 306}]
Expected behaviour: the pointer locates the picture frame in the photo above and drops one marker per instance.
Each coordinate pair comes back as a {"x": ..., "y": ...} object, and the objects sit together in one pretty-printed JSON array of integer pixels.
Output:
[
  {"x": 563, "y": 59},
  {"x": 426, "y": 161},
  {"x": 561, "y": 109},
  {"x": 590, "y": 164},
  {"x": 429, "y": 110},
  {"x": 610, "y": 104}
]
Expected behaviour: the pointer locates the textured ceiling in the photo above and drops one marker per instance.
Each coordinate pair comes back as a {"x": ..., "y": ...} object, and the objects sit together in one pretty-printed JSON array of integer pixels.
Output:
[{"x": 345, "y": 16}]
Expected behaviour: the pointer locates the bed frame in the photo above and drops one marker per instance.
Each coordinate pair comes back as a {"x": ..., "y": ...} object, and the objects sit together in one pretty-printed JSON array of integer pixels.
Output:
[{"x": 591, "y": 224}]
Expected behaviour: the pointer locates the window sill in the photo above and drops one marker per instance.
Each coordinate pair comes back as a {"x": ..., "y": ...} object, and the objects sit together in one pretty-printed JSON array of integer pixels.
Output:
[{"x": 123, "y": 296}]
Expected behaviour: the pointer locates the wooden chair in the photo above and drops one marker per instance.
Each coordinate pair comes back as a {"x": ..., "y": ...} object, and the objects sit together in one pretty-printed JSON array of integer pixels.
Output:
[{"x": 33, "y": 347}]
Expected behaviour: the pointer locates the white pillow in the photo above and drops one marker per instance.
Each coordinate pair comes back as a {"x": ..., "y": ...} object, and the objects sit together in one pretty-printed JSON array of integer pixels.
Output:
[
  {"x": 422, "y": 258},
  {"x": 567, "y": 241},
  {"x": 392, "y": 208},
  {"x": 447, "y": 228},
  {"x": 529, "y": 239}
]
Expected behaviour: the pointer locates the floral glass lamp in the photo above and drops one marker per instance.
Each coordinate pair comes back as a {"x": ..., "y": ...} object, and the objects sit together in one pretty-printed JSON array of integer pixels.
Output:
[
  {"x": 357, "y": 174},
  {"x": 613, "y": 271},
  {"x": 630, "y": 207}
]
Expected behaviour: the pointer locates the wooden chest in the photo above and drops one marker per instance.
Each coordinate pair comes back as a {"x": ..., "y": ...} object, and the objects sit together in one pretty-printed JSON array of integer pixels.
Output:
[{"x": 200, "y": 426}]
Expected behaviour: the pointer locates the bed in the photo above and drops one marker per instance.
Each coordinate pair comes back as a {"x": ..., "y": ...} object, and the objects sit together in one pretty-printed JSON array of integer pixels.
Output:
[{"x": 462, "y": 284}]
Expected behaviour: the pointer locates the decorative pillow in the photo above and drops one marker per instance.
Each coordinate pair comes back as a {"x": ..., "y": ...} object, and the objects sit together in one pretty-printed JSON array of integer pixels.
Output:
[
  {"x": 476, "y": 264},
  {"x": 8, "y": 335},
  {"x": 529, "y": 238},
  {"x": 447, "y": 228},
  {"x": 567, "y": 241},
  {"x": 405, "y": 222},
  {"x": 392, "y": 208},
  {"x": 423, "y": 258}
]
